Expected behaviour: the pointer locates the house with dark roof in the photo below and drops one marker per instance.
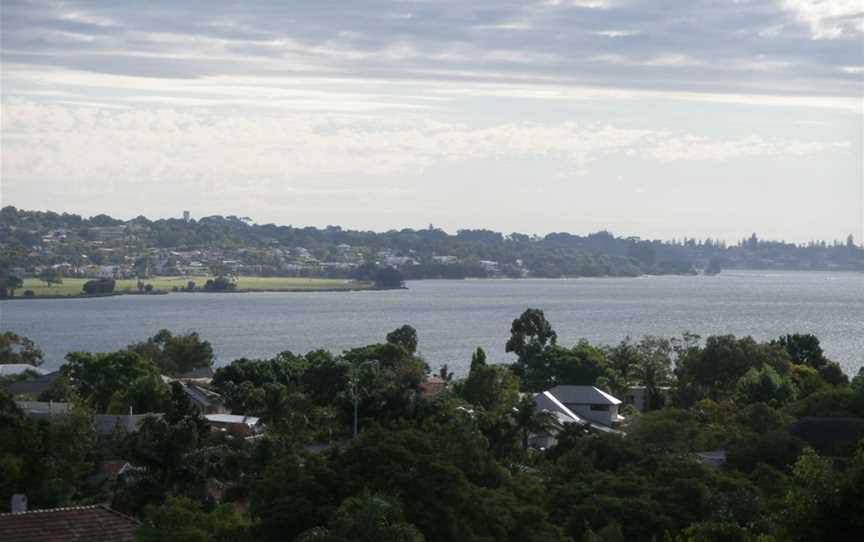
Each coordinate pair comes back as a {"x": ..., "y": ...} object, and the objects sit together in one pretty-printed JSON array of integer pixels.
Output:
[
  {"x": 73, "y": 524},
  {"x": 32, "y": 386}
]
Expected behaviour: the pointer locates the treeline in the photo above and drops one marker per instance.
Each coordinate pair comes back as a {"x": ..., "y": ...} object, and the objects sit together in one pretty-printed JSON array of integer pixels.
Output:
[
  {"x": 455, "y": 465},
  {"x": 553, "y": 255}
]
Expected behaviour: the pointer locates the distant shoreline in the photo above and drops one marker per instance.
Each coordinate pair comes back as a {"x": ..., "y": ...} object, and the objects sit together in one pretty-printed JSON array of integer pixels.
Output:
[{"x": 359, "y": 287}]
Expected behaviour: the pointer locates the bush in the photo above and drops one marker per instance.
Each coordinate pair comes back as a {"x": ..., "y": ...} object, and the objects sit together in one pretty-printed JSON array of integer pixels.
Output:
[
  {"x": 29, "y": 293},
  {"x": 220, "y": 284},
  {"x": 99, "y": 286}
]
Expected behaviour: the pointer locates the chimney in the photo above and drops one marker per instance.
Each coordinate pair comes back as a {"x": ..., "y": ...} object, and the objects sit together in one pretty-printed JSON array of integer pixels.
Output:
[{"x": 19, "y": 503}]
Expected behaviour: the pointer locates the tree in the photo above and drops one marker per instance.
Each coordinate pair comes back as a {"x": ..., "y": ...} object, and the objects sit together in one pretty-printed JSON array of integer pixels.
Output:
[
  {"x": 220, "y": 284},
  {"x": 803, "y": 348},
  {"x": 530, "y": 335},
  {"x": 99, "y": 286},
  {"x": 492, "y": 387},
  {"x": 181, "y": 519},
  {"x": 97, "y": 377},
  {"x": 51, "y": 276},
  {"x": 653, "y": 368},
  {"x": 713, "y": 371},
  {"x": 16, "y": 348},
  {"x": 478, "y": 358},
  {"x": 367, "y": 517},
  {"x": 175, "y": 354},
  {"x": 13, "y": 283},
  {"x": 764, "y": 385},
  {"x": 405, "y": 336},
  {"x": 145, "y": 394},
  {"x": 529, "y": 420},
  {"x": 389, "y": 278}
]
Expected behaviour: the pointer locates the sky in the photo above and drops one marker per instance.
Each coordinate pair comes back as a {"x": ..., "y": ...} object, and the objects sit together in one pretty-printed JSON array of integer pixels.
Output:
[{"x": 661, "y": 119}]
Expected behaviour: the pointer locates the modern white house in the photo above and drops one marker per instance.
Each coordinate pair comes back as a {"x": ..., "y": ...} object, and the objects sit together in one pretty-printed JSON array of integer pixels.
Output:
[
  {"x": 588, "y": 406},
  {"x": 590, "y": 403}
]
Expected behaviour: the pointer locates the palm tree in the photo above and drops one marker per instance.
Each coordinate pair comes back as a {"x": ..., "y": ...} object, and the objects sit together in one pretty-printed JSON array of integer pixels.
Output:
[{"x": 529, "y": 419}]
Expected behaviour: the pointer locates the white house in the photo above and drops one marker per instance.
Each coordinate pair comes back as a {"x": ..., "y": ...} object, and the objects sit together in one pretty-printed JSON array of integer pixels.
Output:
[
  {"x": 550, "y": 402},
  {"x": 590, "y": 403}
]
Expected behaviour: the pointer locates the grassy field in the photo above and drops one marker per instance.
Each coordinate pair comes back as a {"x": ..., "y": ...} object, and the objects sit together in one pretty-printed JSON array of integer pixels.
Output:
[{"x": 72, "y": 286}]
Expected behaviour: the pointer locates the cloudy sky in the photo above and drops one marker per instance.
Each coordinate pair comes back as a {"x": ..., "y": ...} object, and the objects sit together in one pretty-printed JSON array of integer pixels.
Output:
[{"x": 658, "y": 118}]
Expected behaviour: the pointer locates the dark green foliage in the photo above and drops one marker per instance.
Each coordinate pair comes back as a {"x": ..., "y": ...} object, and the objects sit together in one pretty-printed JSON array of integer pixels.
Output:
[
  {"x": 175, "y": 354},
  {"x": 45, "y": 461},
  {"x": 181, "y": 519},
  {"x": 18, "y": 349},
  {"x": 99, "y": 286},
  {"x": 406, "y": 337},
  {"x": 714, "y": 370},
  {"x": 220, "y": 284},
  {"x": 366, "y": 518},
  {"x": 457, "y": 466},
  {"x": 97, "y": 377},
  {"x": 389, "y": 277},
  {"x": 764, "y": 385}
]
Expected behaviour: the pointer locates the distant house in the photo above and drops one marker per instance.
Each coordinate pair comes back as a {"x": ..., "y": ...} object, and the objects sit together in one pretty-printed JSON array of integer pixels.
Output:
[
  {"x": 204, "y": 374},
  {"x": 432, "y": 386},
  {"x": 73, "y": 524},
  {"x": 204, "y": 400},
  {"x": 43, "y": 410},
  {"x": 244, "y": 426},
  {"x": 590, "y": 403},
  {"x": 563, "y": 415},
  {"x": 31, "y": 387}
]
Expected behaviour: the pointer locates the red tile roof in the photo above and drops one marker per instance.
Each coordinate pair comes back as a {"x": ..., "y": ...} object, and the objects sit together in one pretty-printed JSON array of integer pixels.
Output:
[{"x": 74, "y": 524}]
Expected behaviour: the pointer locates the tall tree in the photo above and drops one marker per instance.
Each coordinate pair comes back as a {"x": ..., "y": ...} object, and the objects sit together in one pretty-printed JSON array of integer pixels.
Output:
[
  {"x": 97, "y": 377},
  {"x": 175, "y": 354},
  {"x": 405, "y": 336},
  {"x": 16, "y": 348}
]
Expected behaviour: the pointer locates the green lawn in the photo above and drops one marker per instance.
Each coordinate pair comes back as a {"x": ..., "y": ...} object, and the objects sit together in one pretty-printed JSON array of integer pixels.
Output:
[{"x": 72, "y": 286}]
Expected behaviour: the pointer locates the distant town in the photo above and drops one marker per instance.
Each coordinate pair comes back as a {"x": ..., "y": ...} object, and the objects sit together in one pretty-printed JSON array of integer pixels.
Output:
[{"x": 51, "y": 246}]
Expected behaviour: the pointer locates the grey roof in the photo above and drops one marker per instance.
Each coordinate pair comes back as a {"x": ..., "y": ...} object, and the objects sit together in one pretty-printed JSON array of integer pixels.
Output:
[
  {"x": 196, "y": 373},
  {"x": 583, "y": 395},
  {"x": 33, "y": 386},
  {"x": 232, "y": 418},
  {"x": 106, "y": 424},
  {"x": 547, "y": 401},
  {"x": 202, "y": 396}
]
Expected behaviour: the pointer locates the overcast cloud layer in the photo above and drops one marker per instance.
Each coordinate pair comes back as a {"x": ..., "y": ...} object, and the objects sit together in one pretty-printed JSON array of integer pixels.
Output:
[{"x": 656, "y": 118}]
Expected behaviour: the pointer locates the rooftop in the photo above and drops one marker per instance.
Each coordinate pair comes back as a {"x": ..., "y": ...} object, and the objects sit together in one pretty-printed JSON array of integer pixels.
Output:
[
  {"x": 74, "y": 524},
  {"x": 583, "y": 395}
]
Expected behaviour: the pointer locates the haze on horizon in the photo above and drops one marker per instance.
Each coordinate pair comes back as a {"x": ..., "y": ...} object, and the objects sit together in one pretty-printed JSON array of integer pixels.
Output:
[{"x": 703, "y": 118}]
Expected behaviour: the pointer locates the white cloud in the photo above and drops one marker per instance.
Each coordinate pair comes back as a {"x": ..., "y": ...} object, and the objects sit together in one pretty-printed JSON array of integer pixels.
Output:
[
  {"x": 829, "y": 19},
  {"x": 91, "y": 148}
]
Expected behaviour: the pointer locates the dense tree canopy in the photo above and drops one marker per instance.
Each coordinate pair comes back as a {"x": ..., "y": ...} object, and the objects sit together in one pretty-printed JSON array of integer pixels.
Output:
[{"x": 742, "y": 441}]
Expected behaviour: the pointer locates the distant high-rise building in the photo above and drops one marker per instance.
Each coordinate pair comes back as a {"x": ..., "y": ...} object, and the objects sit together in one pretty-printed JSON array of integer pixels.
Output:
[{"x": 185, "y": 216}]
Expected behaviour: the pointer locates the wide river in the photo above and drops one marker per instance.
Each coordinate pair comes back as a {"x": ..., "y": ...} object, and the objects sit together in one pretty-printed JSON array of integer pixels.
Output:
[{"x": 454, "y": 317}]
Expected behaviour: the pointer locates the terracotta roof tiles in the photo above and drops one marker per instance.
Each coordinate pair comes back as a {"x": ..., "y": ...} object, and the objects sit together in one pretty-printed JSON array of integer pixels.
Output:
[{"x": 72, "y": 524}]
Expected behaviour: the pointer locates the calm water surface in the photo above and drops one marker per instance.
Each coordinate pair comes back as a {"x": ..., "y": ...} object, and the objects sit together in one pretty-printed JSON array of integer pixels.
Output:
[{"x": 454, "y": 317}]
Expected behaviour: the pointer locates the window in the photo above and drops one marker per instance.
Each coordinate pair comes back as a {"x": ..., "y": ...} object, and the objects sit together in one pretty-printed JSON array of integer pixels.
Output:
[{"x": 600, "y": 407}]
